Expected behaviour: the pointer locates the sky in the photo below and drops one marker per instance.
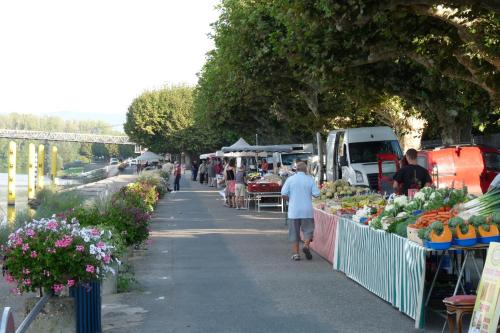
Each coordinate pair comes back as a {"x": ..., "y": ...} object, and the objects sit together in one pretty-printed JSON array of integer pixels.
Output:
[{"x": 91, "y": 58}]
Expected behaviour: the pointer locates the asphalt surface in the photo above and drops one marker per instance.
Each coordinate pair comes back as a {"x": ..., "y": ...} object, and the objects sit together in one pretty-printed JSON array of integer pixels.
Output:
[{"x": 214, "y": 269}]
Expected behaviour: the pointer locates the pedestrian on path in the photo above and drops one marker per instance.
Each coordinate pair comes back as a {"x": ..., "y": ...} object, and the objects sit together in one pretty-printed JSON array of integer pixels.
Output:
[
  {"x": 194, "y": 170},
  {"x": 241, "y": 181},
  {"x": 299, "y": 190},
  {"x": 211, "y": 173},
  {"x": 229, "y": 178},
  {"x": 202, "y": 171},
  {"x": 177, "y": 175}
]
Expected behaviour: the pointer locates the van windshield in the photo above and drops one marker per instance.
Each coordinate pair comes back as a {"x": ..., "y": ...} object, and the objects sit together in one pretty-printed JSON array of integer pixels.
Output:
[
  {"x": 492, "y": 161},
  {"x": 289, "y": 159},
  {"x": 366, "y": 152}
]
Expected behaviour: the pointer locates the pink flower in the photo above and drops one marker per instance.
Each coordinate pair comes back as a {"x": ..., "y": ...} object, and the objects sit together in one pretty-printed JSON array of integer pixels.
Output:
[
  {"x": 101, "y": 245},
  {"x": 33, "y": 254},
  {"x": 90, "y": 269},
  {"x": 107, "y": 258},
  {"x": 57, "y": 288},
  {"x": 64, "y": 242},
  {"x": 9, "y": 278},
  {"x": 95, "y": 232},
  {"x": 80, "y": 248},
  {"x": 26, "y": 247},
  {"x": 26, "y": 271},
  {"x": 52, "y": 225},
  {"x": 27, "y": 282},
  {"x": 19, "y": 241},
  {"x": 30, "y": 233},
  {"x": 15, "y": 291},
  {"x": 71, "y": 283}
]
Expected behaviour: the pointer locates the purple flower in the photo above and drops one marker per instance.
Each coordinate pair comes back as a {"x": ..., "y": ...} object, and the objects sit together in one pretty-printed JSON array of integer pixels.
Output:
[
  {"x": 57, "y": 288},
  {"x": 33, "y": 254},
  {"x": 71, "y": 283},
  {"x": 52, "y": 225},
  {"x": 26, "y": 247},
  {"x": 80, "y": 248}
]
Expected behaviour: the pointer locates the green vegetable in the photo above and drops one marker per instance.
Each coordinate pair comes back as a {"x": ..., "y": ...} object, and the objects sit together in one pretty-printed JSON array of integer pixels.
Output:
[{"x": 486, "y": 204}]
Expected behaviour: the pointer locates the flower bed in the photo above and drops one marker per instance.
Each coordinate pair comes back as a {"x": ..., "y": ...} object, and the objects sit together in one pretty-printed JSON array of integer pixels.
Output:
[{"x": 51, "y": 254}]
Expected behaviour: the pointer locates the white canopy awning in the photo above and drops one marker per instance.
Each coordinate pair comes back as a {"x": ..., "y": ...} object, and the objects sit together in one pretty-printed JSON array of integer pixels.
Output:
[
  {"x": 149, "y": 156},
  {"x": 241, "y": 146}
]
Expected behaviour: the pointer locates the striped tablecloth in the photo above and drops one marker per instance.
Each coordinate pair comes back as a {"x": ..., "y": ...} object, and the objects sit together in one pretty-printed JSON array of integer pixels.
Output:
[
  {"x": 325, "y": 232},
  {"x": 388, "y": 265}
]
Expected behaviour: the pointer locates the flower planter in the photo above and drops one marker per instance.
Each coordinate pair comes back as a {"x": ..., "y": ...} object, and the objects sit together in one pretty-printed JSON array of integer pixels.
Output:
[
  {"x": 88, "y": 307},
  {"x": 57, "y": 316}
]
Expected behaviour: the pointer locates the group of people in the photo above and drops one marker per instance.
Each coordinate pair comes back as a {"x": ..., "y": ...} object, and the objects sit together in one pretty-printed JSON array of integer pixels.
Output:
[
  {"x": 207, "y": 171},
  {"x": 215, "y": 172}
]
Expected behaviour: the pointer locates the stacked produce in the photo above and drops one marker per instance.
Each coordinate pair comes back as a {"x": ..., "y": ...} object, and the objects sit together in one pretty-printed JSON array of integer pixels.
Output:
[
  {"x": 340, "y": 198},
  {"x": 340, "y": 188},
  {"x": 427, "y": 206},
  {"x": 441, "y": 218}
]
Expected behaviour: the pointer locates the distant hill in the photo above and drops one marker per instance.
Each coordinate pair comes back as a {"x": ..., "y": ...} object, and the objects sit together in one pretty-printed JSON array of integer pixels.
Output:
[{"x": 115, "y": 120}]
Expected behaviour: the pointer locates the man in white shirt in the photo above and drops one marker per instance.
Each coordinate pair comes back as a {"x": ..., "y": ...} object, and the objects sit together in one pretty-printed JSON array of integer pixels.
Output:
[
  {"x": 299, "y": 190},
  {"x": 168, "y": 167}
]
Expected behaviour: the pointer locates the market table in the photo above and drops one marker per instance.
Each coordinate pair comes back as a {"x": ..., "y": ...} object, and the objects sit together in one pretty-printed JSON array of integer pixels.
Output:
[{"x": 390, "y": 266}]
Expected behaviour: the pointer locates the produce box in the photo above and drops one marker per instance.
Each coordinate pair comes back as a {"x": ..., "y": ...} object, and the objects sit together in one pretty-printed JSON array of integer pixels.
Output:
[
  {"x": 412, "y": 233},
  {"x": 264, "y": 187}
]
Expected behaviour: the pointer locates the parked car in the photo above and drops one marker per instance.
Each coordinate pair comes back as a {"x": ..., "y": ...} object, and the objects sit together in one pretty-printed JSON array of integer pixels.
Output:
[
  {"x": 133, "y": 161},
  {"x": 474, "y": 166},
  {"x": 114, "y": 161},
  {"x": 352, "y": 154}
]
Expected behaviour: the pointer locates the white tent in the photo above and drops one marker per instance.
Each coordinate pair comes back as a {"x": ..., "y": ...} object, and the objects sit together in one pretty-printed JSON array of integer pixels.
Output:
[{"x": 149, "y": 156}]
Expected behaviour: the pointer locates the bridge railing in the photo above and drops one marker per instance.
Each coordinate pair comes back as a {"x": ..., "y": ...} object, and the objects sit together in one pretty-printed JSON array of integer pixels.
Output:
[{"x": 68, "y": 137}]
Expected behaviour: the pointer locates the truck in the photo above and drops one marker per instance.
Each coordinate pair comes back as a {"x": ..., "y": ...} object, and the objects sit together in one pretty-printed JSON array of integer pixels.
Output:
[
  {"x": 352, "y": 154},
  {"x": 473, "y": 166}
]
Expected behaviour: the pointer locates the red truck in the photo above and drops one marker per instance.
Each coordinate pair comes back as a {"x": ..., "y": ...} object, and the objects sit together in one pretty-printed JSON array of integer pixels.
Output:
[{"x": 472, "y": 165}]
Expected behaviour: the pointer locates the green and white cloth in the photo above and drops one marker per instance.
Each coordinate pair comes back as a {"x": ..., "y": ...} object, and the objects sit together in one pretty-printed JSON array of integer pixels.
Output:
[{"x": 390, "y": 266}]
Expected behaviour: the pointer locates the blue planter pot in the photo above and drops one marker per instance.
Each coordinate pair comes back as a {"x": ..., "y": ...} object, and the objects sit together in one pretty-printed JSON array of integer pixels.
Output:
[
  {"x": 88, "y": 307},
  {"x": 437, "y": 245},
  {"x": 464, "y": 242},
  {"x": 487, "y": 240}
]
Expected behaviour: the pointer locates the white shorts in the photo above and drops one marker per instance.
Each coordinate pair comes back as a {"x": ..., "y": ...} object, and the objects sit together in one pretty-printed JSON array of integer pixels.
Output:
[{"x": 240, "y": 190}]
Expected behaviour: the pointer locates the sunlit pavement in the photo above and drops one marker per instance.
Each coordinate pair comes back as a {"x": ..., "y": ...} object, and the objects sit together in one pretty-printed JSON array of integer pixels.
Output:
[{"x": 214, "y": 269}]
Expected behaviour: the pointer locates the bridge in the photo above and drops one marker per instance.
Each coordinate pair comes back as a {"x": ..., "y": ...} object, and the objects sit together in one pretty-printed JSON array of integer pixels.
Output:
[{"x": 67, "y": 137}]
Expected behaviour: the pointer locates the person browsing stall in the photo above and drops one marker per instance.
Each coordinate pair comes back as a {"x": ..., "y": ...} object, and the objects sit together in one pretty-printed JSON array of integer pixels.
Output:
[
  {"x": 299, "y": 190},
  {"x": 412, "y": 175}
]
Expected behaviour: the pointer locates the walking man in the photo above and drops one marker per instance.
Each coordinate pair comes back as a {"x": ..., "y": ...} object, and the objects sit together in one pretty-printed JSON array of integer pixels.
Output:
[
  {"x": 177, "y": 175},
  {"x": 299, "y": 190}
]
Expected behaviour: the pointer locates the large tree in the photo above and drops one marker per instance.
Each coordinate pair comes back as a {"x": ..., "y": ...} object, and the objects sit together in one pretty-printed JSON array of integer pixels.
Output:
[{"x": 302, "y": 66}]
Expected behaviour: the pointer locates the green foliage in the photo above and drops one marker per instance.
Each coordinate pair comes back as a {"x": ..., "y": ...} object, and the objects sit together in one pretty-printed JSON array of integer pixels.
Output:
[
  {"x": 126, "y": 278},
  {"x": 290, "y": 68},
  {"x": 52, "y": 202},
  {"x": 160, "y": 119}
]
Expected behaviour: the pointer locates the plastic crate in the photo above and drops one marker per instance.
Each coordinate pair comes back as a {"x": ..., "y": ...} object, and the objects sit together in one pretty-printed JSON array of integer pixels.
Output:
[{"x": 264, "y": 187}]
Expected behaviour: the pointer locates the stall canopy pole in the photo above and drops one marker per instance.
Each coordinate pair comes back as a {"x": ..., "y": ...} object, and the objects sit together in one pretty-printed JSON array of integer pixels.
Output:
[
  {"x": 256, "y": 139},
  {"x": 320, "y": 156}
]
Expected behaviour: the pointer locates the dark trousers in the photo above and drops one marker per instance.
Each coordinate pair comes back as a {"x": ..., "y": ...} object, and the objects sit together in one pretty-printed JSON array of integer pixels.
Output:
[
  {"x": 195, "y": 174},
  {"x": 176, "y": 183},
  {"x": 202, "y": 178}
]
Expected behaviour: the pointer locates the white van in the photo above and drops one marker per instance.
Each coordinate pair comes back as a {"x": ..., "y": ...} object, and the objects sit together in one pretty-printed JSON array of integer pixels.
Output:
[
  {"x": 300, "y": 152},
  {"x": 351, "y": 154}
]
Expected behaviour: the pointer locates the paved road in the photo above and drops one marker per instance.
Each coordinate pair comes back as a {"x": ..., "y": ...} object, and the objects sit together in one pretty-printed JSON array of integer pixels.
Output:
[{"x": 215, "y": 269}]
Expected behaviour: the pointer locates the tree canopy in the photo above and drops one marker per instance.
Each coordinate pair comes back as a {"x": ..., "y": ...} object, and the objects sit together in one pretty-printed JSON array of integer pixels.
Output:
[{"x": 289, "y": 68}]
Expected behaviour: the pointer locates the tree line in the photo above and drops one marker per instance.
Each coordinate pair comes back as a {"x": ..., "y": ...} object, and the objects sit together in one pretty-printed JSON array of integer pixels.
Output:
[
  {"x": 287, "y": 69},
  {"x": 67, "y": 151}
]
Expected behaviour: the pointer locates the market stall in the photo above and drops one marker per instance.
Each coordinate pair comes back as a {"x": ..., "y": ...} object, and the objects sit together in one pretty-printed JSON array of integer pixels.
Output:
[
  {"x": 263, "y": 189},
  {"x": 378, "y": 247}
]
